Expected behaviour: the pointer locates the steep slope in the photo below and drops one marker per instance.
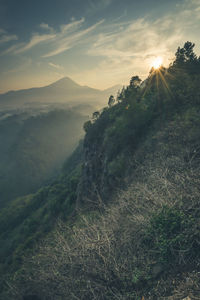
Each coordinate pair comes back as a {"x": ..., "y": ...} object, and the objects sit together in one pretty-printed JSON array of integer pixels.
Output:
[{"x": 135, "y": 231}]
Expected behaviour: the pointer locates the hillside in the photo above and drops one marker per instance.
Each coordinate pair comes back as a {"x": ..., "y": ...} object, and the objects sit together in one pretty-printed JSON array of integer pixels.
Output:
[{"x": 122, "y": 221}]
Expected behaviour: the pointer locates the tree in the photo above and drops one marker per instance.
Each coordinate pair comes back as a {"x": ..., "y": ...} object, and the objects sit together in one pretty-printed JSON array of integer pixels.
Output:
[
  {"x": 95, "y": 115},
  {"x": 111, "y": 101},
  {"x": 185, "y": 54},
  {"x": 186, "y": 60},
  {"x": 135, "y": 81},
  {"x": 180, "y": 56},
  {"x": 121, "y": 95},
  {"x": 87, "y": 125},
  {"x": 189, "y": 53}
]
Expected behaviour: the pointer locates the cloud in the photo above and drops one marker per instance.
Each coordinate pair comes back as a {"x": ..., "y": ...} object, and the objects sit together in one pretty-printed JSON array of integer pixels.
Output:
[
  {"x": 55, "y": 66},
  {"x": 68, "y": 36},
  {"x": 143, "y": 38},
  {"x": 11, "y": 49},
  {"x": 70, "y": 27},
  {"x": 46, "y": 27},
  {"x": 35, "y": 40},
  {"x": 95, "y": 6},
  {"x": 5, "y": 37},
  {"x": 135, "y": 44},
  {"x": 65, "y": 42},
  {"x": 129, "y": 48}
]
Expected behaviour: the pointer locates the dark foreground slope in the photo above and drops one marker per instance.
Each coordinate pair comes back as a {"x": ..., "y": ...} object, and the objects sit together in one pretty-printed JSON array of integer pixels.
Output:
[{"x": 136, "y": 230}]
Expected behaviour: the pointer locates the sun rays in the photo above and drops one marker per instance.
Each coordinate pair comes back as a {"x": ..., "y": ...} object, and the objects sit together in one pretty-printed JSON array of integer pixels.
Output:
[
  {"x": 157, "y": 63},
  {"x": 158, "y": 78}
]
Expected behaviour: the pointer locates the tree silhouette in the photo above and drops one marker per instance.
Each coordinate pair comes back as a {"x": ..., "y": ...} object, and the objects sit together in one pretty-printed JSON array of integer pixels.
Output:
[
  {"x": 135, "y": 81},
  {"x": 111, "y": 101}
]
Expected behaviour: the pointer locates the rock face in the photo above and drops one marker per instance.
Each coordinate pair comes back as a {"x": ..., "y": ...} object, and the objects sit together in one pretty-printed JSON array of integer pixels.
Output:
[
  {"x": 94, "y": 182},
  {"x": 97, "y": 181}
]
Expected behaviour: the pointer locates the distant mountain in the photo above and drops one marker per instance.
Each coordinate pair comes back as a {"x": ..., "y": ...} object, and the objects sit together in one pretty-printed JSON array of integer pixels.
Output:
[{"x": 62, "y": 91}]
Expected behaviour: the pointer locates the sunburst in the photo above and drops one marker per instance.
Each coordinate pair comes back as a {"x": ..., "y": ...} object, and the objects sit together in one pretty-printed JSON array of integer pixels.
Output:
[{"x": 157, "y": 63}]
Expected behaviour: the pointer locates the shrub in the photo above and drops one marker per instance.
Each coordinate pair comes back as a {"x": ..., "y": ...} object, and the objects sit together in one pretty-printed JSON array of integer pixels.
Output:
[{"x": 171, "y": 235}]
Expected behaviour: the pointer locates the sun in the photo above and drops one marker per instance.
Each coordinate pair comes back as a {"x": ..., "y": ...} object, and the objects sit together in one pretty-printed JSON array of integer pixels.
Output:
[{"x": 156, "y": 64}]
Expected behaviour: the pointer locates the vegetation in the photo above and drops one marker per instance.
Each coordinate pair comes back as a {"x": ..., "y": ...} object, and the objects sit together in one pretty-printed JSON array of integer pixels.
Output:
[
  {"x": 135, "y": 233},
  {"x": 33, "y": 149},
  {"x": 119, "y": 130},
  {"x": 27, "y": 220}
]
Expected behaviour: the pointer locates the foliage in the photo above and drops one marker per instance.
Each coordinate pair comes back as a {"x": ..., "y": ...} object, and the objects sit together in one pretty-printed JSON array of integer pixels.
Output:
[
  {"x": 187, "y": 59},
  {"x": 87, "y": 125},
  {"x": 135, "y": 82},
  {"x": 111, "y": 100},
  {"x": 26, "y": 220},
  {"x": 171, "y": 235}
]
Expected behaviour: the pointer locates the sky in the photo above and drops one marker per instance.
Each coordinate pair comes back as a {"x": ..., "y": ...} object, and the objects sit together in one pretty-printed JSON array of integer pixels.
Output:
[{"x": 98, "y": 43}]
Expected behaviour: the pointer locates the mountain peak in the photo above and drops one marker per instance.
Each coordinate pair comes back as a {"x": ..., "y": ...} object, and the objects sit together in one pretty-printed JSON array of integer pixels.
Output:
[{"x": 65, "y": 82}]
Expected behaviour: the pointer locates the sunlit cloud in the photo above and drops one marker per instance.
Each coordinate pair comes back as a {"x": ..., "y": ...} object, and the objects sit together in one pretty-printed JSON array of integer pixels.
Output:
[
  {"x": 56, "y": 66},
  {"x": 70, "y": 27},
  {"x": 141, "y": 38},
  {"x": 132, "y": 47}
]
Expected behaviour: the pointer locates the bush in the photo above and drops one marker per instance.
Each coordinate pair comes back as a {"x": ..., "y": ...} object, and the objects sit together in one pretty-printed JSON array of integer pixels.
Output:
[{"x": 171, "y": 235}]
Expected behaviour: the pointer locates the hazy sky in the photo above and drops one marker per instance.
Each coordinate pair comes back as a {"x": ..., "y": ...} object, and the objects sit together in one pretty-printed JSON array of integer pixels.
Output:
[{"x": 95, "y": 42}]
